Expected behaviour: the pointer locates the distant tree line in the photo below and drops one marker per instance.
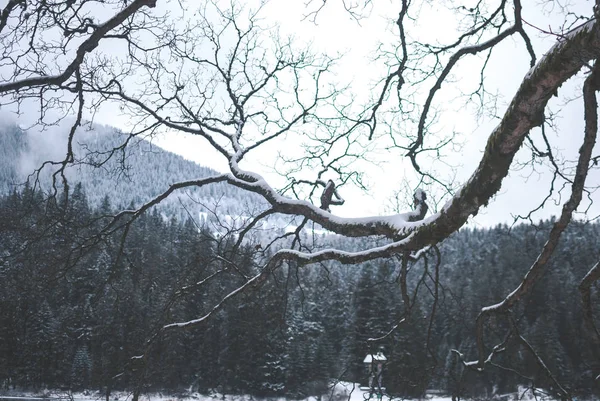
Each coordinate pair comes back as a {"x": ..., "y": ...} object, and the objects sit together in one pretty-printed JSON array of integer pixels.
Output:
[{"x": 74, "y": 313}]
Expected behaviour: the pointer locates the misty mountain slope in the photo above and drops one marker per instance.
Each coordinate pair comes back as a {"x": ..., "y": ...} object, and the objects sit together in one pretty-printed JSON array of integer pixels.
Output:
[
  {"x": 12, "y": 145},
  {"x": 135, "y": 176}
]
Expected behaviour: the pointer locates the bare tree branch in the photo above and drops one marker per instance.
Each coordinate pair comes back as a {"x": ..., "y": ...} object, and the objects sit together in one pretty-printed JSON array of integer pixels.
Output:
[
  {"x": 592, "y": 84},
  {"x": 87, "y": 46}
]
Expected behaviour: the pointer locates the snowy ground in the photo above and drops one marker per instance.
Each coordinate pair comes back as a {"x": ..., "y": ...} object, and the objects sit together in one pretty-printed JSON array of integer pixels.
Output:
[
  {"x": 340, "y": 392},
  {"x": 351, "y": 392}
]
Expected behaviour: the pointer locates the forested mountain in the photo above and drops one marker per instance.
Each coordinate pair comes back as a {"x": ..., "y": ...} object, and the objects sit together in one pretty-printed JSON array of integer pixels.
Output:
[
  {"x": 76, "y": 307},
  {"x": 72, "y": 320},
  {"x": 130, "y": 177}
]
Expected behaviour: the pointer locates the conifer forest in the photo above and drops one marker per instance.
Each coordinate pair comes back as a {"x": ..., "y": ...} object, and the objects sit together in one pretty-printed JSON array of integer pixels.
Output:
[{"x": 74, "y": 314}]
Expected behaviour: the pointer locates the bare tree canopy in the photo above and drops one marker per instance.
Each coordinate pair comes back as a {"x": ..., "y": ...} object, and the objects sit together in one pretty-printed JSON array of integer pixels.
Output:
[{"x": 221, "y": 72}]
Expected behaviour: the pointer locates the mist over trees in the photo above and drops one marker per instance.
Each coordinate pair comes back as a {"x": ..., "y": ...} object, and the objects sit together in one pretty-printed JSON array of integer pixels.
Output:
[{"x": 221, "y": 74}]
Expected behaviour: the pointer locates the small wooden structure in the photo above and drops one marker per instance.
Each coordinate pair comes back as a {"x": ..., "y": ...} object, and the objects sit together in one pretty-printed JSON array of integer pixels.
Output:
[{"x": 374, "y": 365}]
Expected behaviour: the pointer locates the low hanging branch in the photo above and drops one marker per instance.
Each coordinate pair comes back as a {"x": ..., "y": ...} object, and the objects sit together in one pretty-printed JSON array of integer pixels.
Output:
[{"x": 412, "y": 231}]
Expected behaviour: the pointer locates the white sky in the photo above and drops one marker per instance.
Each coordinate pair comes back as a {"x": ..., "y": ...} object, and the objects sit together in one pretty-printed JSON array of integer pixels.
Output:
[{"x": 336, "y": 32}]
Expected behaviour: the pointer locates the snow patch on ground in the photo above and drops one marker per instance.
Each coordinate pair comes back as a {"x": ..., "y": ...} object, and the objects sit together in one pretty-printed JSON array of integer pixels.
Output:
[{"x": 340, "y": 391}]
